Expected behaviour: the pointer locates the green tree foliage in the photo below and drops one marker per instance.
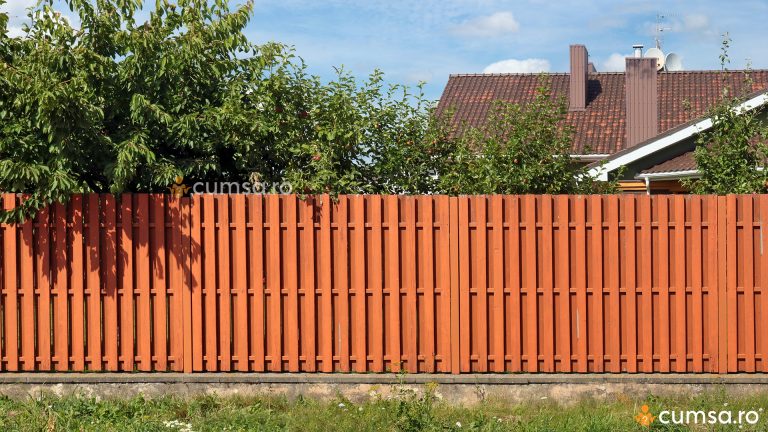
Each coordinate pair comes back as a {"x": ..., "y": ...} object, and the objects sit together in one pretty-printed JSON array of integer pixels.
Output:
[
  {"x": 731, "y": 154},
  {"x": 116, "y": 103},
  {"x": 521, "y": 149}
]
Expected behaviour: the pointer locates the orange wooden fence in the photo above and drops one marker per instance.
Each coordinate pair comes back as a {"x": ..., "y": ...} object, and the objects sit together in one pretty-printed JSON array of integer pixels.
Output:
[{"x": 385, "y": 283}]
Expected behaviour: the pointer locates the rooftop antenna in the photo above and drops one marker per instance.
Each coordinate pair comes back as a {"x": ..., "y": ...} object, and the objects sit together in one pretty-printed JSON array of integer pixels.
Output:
[{"x": 660, "y": 29}]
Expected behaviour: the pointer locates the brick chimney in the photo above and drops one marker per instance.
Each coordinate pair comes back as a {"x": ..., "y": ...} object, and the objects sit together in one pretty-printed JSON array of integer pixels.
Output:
[
  {"x": 642, "y": 100},
  {"x": 578, "y": 88}
]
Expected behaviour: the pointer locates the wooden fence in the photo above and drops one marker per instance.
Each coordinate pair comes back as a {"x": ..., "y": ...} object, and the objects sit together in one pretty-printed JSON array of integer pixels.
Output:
[{"x": 385, "y": 283}]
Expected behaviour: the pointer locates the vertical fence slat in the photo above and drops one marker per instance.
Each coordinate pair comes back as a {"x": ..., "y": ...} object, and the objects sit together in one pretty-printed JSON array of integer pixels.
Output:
[
  {"x": 664, "y": 324},
  {"x": 722, "y": 285},
  {"x": 256, "y": 280},
  {"x": 77, "y": 319},
  {"x": 613, "y": 324},
  {"x": 516, "y": 284},
  {"x": 42, "y": 275},
  {"x": 531, "y": 283},
  {"x": 426, "y": 325},
  {"x": 564, "y": 272},
  {"x": 455, "y": 287},
  {"x": 497, "y": 282},
  {"x": 481, "y": 266},
  {"x": 195, "y": 261},
  {"x": 186, "y": 294},
  {"x": 274, "y": 315},
  {"x": 443, "y": 276},
  {"x": 175, "y": 276},
  {"x": 61, "y": 288},
  {"x": 143, "y": 317},
  {"x": 646, "y": 273},
  {"x": 410, "y": 324},
  {"x": 93, "y": 266},
  {"x": 732, "y": 296},
  {"x": 159, "y": 283},
  {"x": 224, "y": 285},
  {"x": 308, "y": 315},
  {"x": 763, "y": 334},
  {"x": 11, "y": 279},
  {"x": 26, "y": 266},
  {"x": 342, "y": 280},
  {"x": 210, "y": 290},
  {"x": 464, "y": 295},
  {"x": 580, "y": 283},
  {"x": 111, "y": 296},
  {"x": 681, "y": 354},
  {"x": 713, "y": 284},
  {"x": 597, "y": 284},
  {"x": 360, "y": 324},
  {"x": 696, "y": 286},
  {"x": 547, "y": 284},
  {"x": 749, "y": 291},
  {"x": 291, "y": 319},
  {"x": 240, "y": 285},
  {"x": 376, "y": 281},
  {"x": 393, "y": 204},
  {"x": 631, "y": 283},
  {"x": 325, "y": 330},
  {"x": 763, "y": 204},
  {"x": 126, "y": 283}
]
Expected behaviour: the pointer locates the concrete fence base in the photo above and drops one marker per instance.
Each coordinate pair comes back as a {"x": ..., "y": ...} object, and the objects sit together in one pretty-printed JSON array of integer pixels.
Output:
[{"x": 455, "y": 389}]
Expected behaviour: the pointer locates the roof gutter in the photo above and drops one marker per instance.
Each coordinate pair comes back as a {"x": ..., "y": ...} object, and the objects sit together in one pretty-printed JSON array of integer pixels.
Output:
[{"x": 590, "y": 157}]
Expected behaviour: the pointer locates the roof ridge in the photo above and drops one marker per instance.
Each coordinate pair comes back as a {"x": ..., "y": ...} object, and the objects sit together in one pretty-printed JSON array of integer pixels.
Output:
[{"x": 685, "y": 72}]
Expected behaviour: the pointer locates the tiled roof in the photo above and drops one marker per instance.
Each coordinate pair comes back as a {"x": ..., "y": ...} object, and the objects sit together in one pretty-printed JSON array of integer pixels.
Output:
[
  {"x": 684, "y": 162},
  {"x": 599, "y": 129}
]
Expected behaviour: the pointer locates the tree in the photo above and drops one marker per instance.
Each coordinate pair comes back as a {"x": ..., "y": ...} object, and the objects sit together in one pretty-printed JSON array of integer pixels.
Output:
[
  {"x": 120, "y": 105},
  {"x": 731, "y": 154},
  {"x": 521, "y": 149}
]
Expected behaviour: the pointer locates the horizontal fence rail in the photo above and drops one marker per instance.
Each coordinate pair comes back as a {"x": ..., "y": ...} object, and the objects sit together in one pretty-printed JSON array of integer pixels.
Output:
[{"x": 368, "y": 283}]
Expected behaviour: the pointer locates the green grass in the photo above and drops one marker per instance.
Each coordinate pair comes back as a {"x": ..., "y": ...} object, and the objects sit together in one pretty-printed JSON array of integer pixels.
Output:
[{"x": 409, "y": 412}]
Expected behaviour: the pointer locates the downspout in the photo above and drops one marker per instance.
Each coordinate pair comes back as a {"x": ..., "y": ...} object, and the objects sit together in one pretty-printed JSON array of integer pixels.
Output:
[{"x": 648, "y": 185}]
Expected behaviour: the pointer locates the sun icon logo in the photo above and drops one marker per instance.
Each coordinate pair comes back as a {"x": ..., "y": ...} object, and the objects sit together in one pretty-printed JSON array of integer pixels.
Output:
[
  {"x": 178, "y": 189},
  {"x": 645, "y": 418}
]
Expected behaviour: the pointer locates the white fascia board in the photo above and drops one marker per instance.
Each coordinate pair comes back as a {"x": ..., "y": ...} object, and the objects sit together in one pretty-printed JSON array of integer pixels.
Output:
[
  {"x": 669, "y": 175},
  {"x": 601, "y": 172}
]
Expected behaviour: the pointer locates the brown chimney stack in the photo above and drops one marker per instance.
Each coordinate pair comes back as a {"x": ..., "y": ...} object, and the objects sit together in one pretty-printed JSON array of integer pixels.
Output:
[
  {"x": 642, "y": 100},
  {"x": 579, "y": 68}
]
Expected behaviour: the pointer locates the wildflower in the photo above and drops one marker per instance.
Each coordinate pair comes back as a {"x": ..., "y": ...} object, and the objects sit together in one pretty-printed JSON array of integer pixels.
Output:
[{"x": 458, "y": 424}]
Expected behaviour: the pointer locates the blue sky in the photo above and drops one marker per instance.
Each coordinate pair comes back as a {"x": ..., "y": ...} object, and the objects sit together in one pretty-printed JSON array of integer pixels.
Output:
[{"x": 427, "y": 40}]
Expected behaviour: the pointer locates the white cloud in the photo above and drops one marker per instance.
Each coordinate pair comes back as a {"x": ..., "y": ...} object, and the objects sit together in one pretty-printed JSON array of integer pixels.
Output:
[
  {"x": 615, "y": 63},
  {"x": 695, "y": 22},
  {"x": 497, "y": 24},
  {"x": 15, "y": 32},
  {"x": 17, "y": 8},
  {"x": 532, "y": 65}
]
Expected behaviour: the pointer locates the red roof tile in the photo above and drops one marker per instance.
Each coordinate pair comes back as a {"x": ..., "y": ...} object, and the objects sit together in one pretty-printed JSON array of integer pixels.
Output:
[{"x": 599, "y": 129}]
